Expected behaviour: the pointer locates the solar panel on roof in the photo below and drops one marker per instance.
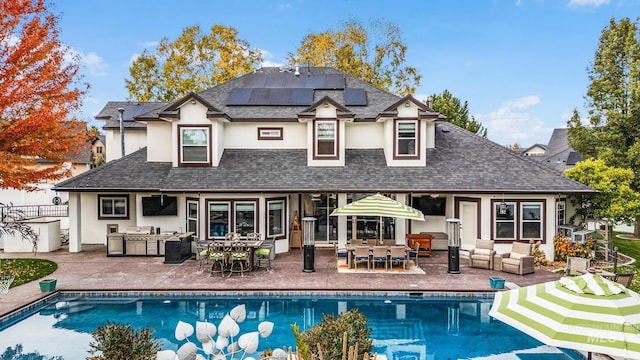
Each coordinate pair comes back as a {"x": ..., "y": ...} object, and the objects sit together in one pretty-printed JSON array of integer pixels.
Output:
[
  {"x": 294, "y": 82},
  {"x": 255, "y": 81},
  {"x": 259, "y": 96},
  {"x": 279, "y": 97},
  {"x": 355, "y": 97},
  {"x": 132, "y": 111},
  {"x": 274, "y": 81},
  {"x": 314, "y": 81},
  {"x": 239, "y": 97},
  {"x": 333, "y": 81},
  {"x": 301, "y": 97}
]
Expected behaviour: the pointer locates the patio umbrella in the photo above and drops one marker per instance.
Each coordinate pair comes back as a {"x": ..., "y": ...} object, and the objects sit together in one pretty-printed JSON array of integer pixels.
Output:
[
  {"x": 585, "y": 313},
  {"x": 379, "y": 205}
]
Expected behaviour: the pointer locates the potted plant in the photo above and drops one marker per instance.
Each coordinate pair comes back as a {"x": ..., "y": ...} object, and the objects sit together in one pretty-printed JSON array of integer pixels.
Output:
[{"x": 48, "y": 285}]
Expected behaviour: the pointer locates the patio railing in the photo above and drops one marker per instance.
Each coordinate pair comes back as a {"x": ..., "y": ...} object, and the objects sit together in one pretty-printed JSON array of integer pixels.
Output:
[{"x": 18, "y": 212}]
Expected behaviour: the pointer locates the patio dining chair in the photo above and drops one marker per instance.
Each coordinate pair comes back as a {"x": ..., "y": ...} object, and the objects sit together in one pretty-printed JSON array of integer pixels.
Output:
[
  {"x": 217, "y": 257},
  {"x": 202, "y": 254},
  {"x": 239, "y": 258},
  {"x": 380, "y": 254},
  {"x": 398, "y": 254},
  {"x": 624, "y": 279},
  {"x": 262, "y": 255},
  {"x": 361, "y": 254}
]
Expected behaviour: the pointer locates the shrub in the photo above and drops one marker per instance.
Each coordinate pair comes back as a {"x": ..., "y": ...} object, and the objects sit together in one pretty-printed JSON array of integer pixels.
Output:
[
  {"x": 120, "y": 341},
  {"x": 328, "y": 335},
  {"x": 563, "y": 248},
  {"x": 539, "y": 257}
]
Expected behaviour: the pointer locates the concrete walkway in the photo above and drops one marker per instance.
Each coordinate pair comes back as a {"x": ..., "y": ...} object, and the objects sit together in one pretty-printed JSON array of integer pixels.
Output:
[{"x": 91, "y": 269}]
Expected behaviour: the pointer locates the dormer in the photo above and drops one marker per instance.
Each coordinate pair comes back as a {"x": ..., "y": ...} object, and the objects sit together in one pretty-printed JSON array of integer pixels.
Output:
[
  {"x": 409, "y": 130},
  {"x": 193, "y": 127},
  {"x": 326, "y": 120}
]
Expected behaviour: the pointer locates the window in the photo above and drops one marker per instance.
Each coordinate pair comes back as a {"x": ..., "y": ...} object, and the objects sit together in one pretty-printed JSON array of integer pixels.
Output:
[
  {"x": 406, "y": 139},
  {"x": 245, "y": 215},
  {"x": 531, "y": 217},
  {"x": 232, "y": 216},
  {"x": 326, "y": 139},
  {"x": 518, "y": 220},
  {"x": 192, "y": 216},
  {"x": 276, "y": 218},
  {"x": 195, "y": 145},
  {"x": 219, "y": 219},
  {"x": 505, "y": 223},
  {"x": 113, "y": 206},
  {"x": 98, "y": 149},
  {"x": 561, "y": 212},
  {"x": 270, "y": 133}
]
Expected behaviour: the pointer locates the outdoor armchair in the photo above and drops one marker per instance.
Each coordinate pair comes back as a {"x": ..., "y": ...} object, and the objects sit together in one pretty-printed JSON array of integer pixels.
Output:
[
  {"x": 482, "y": 255},
  {"x": 519, "y": 260}
]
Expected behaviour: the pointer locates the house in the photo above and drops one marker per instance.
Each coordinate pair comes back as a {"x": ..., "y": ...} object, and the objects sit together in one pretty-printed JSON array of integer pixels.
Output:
[
  {"x": 534, "y": 150},
  {"x": 559, "y": 155},
  {"x": 246, "y": 155}
]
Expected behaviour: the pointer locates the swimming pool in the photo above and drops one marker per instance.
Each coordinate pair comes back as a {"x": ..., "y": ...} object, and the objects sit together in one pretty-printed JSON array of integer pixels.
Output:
[{"x": 404, "y": 327}]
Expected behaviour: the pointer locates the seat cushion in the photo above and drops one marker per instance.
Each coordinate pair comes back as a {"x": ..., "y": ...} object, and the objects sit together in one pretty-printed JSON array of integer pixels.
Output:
[
  {"x": 517, "y": 256},
  {"x": 481, "y": 257},
  {"x": 511, "y": 261},
  {"x": 263, "y": 252}
]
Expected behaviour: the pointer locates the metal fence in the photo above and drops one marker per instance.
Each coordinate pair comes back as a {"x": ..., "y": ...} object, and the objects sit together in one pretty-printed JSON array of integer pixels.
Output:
[{"x": 33, "y": 211}]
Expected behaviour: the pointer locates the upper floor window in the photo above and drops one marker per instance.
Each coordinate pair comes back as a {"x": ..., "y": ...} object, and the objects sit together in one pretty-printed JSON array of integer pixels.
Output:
[
  {"x": 98, "y": 149},
  {"x": 406, "y": 139},
  {"x": 113, "y": 206},
  {"x": 326, "y": 139},
  {"x": 195, "y": 145}
]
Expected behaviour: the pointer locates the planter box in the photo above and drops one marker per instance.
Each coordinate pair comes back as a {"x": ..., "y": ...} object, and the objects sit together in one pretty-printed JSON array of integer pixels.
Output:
[
  {"x": 496, "y": 282},
  {"x": 48, "y": 285}
]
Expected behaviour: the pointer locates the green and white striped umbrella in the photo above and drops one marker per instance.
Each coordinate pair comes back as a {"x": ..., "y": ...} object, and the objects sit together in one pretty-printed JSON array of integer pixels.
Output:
[
  {"x": 586, "y": 313},
  {"x": 379, "y": 205}
]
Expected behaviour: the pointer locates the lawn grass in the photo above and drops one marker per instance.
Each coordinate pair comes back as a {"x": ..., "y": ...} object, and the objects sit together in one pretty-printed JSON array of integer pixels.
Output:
[
  {"x": 27, "y": 270},
  {"x": 629, "y": 248}
]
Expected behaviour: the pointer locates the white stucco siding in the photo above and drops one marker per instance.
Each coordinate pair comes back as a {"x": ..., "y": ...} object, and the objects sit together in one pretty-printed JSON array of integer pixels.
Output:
[
  {"x": 363, "y": 136},
  {"x": 133, "y": 140},
  {"x": 245, "y": 136},
  {"x": 93, "y": 230},
  {"x": 159, "y": 133}
]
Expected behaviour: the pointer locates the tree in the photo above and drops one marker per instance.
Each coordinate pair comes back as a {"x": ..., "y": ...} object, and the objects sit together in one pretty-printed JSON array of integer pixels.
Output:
[
  {"x": 457, "y": 113},
  {"x": 613, "y": 99},
  {"x": 615, "y": 199},
  {"x": 121, "y": 341},
  {"x": 192, "y": 62},
  {"x": 38, "y": 94},
  {"x": 375, "y": 54}
]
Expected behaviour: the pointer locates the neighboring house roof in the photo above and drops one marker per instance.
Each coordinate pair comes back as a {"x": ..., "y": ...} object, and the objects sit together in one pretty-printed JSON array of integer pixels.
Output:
[
  {"x": 530, "y": 149},
  {"x": 454, "y": 165},
  {"x": 82, "y": 157},
  {"x": 111, "y": 115},
  {"x": 559, "y": 155}
]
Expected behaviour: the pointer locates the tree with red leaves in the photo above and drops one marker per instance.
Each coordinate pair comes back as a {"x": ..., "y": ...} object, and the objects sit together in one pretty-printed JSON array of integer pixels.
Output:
[{"x": 39, "y": 92}]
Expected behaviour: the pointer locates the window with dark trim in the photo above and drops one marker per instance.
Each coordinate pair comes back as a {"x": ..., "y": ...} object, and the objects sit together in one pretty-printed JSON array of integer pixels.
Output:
[
  {"x": 113, "y": 206},
  {"x": 406, "y": 139},
  {"x": 270, "y": 133},
  {"x": 194, "y": 145},
  {"x": 561, "y": 212},
  {"x": 325, "y": 139},
  {"x": 276, "y": 221},
  {"x": 225, "y": 216},
  {"x": 518, "y": 220}
]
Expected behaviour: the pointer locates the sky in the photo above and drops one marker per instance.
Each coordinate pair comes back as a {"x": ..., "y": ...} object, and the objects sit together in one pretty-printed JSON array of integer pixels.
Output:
[{"x": 520, "y": 64}]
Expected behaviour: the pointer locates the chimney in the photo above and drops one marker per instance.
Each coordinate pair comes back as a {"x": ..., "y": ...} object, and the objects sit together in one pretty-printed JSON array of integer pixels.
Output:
[{"x": 121, "y": 111}]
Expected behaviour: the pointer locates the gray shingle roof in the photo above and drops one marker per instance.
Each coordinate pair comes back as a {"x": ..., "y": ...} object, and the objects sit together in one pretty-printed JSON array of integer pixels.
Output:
[
  {"x": 111, "y": 116},
  {"x": 461, "y": 162},
  {"x": 559, "y": 155}
]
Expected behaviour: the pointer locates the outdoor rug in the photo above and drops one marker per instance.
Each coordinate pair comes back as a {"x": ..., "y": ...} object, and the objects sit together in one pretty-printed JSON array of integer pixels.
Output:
[{"x": 411, "y": 269}]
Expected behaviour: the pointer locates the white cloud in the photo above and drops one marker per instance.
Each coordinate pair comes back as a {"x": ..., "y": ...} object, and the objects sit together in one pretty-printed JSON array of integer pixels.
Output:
[
  {"x": 594, "y": 3},
  {"x": 514, "y": 122},
  {"x": 268, "y": 61},
  {"x": 91, "y": 61}
]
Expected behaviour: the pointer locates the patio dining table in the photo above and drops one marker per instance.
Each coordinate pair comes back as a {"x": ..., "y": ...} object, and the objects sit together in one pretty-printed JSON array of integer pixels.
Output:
[
  {"x": 351, "y": 249},
  {"x": 227, "y": 245}
]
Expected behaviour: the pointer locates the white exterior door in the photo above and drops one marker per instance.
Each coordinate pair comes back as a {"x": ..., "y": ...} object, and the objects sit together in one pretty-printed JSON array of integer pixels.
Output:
[{"x": 469, "y": 224}]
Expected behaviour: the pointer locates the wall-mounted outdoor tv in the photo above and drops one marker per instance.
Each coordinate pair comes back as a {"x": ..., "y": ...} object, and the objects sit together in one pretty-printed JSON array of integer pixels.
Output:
[
  {"x": 430, "y": 205},
  {"x": 159, "y": 205}
]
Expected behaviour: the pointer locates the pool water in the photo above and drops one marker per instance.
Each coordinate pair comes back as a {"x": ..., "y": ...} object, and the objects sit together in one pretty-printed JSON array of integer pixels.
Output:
[{"x": 404, "y": 328}]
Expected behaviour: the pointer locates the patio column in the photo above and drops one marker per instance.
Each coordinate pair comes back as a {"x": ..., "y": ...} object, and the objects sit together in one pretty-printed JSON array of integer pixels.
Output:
[
  {"x": 401, "y": 224},
  {"x": 342, "y": 221},
  {"x": 75, "y": 210}
]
